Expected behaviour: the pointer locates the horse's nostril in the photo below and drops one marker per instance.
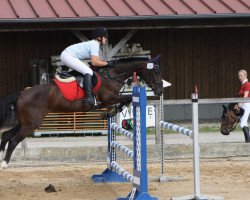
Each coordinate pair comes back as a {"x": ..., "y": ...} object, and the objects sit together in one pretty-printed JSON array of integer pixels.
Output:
[{"x": 225, "y": 132}]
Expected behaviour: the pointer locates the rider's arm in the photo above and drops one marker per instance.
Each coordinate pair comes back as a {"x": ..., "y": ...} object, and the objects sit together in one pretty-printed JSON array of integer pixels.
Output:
[
  {"x": 246, "y": 94},
  {"x": 94, "y": 52},
  {"x": 97, "y": 62}
]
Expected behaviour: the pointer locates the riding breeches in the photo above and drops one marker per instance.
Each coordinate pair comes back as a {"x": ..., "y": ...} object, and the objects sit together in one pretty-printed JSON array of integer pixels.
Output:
[
  {"x": 75, "y": 63},
  {"x": 244, "y": 118}
]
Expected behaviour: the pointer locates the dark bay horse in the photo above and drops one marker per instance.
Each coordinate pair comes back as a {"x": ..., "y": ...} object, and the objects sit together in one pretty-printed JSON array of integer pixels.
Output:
[
  {"x": 230, "y": 117},
  {"x": 32, "y": 105}
]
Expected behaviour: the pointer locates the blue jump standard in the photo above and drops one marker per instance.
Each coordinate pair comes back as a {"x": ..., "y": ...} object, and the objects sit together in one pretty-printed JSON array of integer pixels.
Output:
[
  {"x": 140, "y": 176},
  {"x": 108, "y": 176},
  {"x": 141, "y": 196}
]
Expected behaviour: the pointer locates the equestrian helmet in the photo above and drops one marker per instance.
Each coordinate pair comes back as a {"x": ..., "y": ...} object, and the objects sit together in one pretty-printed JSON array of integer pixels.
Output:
[{"x": 99, "y": 32}]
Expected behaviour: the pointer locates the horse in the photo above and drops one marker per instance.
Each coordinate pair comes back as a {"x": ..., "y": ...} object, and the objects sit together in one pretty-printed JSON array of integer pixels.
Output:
[
  {"x": 33, "y": 104},
  {"x": 230, "y": 117}
]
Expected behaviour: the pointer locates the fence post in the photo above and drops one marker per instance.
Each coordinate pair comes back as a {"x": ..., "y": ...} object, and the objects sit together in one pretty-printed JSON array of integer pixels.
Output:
[{"x": 196, "y": 147}]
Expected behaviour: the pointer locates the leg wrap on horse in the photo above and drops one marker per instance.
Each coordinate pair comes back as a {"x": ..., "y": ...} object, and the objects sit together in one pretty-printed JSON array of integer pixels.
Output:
[{"x": 246, "y": 134}]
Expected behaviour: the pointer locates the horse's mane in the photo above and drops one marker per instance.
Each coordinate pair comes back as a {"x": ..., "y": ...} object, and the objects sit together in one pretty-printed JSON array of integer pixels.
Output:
[{"x": 131, "y": 59}]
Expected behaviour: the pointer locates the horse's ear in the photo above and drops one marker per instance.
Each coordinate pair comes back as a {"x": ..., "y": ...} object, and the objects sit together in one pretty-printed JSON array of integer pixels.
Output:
[
  {"x": 231, "y": 106},
  {"x": 155, "y": 60},
  {"x": 225, "y": 109}
]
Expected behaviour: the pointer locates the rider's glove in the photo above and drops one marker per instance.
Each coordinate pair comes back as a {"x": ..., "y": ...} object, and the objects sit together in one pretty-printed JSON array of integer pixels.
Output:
[{"x": 110, "y": 64}]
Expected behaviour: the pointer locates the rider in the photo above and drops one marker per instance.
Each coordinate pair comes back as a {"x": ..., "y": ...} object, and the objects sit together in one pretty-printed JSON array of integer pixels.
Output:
[
  {"x": 245, "y": 93},
  {"x": 73, "y": 55}
]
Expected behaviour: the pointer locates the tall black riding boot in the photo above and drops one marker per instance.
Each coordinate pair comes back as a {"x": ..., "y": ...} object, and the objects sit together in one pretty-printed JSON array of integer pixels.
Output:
[
  {"x": 88, "y": 86},
  {"x": 246, "y": 134}
]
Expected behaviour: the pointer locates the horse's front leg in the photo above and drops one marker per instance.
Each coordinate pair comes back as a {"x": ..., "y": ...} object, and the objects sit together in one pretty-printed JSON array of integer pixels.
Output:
[{"x": 113, "y": 109}]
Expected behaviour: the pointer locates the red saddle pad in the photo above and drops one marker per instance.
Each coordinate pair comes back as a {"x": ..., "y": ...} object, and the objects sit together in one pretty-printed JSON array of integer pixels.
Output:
[{"x": 72, "y": 91}]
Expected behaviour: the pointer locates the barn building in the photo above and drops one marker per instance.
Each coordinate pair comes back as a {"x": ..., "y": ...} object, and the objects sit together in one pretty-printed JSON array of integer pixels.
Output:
[{"x": 201, "y": 42}]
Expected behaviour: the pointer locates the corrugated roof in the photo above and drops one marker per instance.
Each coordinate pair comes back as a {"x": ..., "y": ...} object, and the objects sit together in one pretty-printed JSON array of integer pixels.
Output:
[{"x": 90, "y": 9}]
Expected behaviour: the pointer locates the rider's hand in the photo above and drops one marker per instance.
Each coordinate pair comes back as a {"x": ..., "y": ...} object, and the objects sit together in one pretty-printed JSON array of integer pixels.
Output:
[{"x": 110, "y": 64}]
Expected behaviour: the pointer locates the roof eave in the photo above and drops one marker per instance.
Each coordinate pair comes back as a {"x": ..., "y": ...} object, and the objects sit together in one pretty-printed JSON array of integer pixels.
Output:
[
  {"x": 125, "y": 18},
  {"x": 128, "y": 22}
]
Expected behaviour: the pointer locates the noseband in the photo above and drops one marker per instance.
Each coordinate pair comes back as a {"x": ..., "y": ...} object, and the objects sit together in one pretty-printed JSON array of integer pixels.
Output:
[{"x": 152, "y": 83}]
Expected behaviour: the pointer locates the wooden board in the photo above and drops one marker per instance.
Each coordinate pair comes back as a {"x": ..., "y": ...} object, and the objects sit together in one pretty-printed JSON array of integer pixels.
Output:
[{"x": 73, "y": 122}]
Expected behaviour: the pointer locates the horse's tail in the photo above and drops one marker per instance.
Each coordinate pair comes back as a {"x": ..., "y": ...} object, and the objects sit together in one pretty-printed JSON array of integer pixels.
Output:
[{"x": 8, "y": 110}]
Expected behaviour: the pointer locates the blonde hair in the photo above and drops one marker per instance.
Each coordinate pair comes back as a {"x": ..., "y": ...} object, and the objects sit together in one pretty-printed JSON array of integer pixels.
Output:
[{"x": 244, "y": 72}]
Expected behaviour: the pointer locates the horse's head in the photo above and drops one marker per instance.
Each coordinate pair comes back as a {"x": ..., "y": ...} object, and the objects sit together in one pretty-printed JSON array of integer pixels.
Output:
[
  {"x": 151, "y": 74},
  {"x": 147, "y": 69},
  {"x": 230, "y": 117}
]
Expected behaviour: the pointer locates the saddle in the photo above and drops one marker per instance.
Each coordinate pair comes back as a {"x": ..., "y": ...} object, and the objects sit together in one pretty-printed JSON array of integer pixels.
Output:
[
  {"x": 66, "y": 77},
  {"x": 71, "y": 84}
]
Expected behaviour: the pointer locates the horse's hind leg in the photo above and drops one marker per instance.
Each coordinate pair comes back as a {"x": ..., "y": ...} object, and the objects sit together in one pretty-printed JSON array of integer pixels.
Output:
[
  {"x": 14, "y": 141},
  {"x": 6, "y": 135}
]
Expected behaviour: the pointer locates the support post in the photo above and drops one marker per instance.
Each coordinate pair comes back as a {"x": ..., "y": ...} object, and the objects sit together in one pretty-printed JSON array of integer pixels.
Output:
[
  {"x": 196, "y": 154},
  {"x": 140, "y": 180},
  {"x": 80, "y": 36},
  {"x": 158, "y": 128},
  {"x": 196, "y": 147},
  {"x": 121, "y": 44},
  {"x": 162, "y": 140}
]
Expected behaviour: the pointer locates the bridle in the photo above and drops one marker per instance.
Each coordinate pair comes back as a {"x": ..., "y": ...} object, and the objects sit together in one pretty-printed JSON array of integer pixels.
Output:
[
  {"x": 152, "y": 83},
  {"x": 228, "y": 125}
]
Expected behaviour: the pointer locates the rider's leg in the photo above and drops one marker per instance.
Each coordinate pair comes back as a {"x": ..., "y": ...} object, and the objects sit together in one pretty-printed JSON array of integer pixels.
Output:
[
  {"x": 244, "y": 123},
  {"x": 246, "y": 134},
  {"x": 88, "y": 86},
  {"x": 84, "y": 69},
  {"x": 75, "y": 63}
]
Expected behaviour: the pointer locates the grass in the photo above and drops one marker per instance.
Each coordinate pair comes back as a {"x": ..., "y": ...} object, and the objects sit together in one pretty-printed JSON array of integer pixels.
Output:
[{"x": 203, "y": 127}]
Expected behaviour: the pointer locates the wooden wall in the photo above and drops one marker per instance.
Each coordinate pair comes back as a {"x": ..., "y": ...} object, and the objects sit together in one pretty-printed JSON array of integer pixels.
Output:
[
  {"x": 209, "y": 57},
  {"x": 17, "y": 49}
]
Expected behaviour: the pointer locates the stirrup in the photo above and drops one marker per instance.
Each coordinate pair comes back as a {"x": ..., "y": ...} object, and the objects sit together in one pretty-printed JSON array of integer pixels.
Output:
[{"x": 90, "y": 100}]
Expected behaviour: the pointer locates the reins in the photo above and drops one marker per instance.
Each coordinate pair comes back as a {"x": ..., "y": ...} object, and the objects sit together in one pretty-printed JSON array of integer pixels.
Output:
[
  {"x": 107, "y": 71},
  {"x": 115, "y": 78}
]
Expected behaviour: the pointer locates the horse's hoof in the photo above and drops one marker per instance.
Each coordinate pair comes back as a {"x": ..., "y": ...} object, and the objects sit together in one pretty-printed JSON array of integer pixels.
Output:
[{"x": 4, "y": 164}]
